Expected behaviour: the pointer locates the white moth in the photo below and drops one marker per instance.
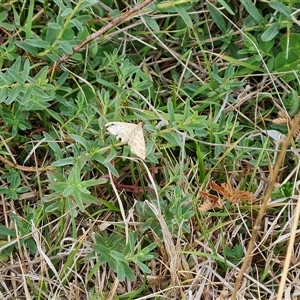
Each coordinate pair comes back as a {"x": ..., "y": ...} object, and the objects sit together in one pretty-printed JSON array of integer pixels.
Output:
[{"x": 129, "y": 133}]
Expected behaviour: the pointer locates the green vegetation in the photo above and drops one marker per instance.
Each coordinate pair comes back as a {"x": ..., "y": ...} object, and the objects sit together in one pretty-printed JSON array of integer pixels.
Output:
[{"x": 216, "y": 85}]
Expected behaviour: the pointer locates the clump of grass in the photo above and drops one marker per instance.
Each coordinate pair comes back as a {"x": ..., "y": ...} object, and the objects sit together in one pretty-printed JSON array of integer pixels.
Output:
[{"x": 82, "y": 216}]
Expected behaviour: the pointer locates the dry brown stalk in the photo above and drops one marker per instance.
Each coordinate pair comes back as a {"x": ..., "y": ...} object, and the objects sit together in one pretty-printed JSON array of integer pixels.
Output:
[
  {"x": 125, "y": 16},
  {"x": 248, "y": 255},
  {"x": 25, "y": 168}
]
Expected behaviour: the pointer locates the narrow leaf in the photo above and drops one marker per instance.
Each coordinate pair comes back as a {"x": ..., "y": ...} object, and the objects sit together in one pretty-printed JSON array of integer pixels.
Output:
[
  {"x": 184, "y": 15},
  {"x": 252, "y": 10},
  {"x": 151, "y": 23},
  {"x": 217, "y": 17},
  {"x": 67, "y": 48},
  {"x": 271, "y": 32},
  {"x": 37, "y": 43}
]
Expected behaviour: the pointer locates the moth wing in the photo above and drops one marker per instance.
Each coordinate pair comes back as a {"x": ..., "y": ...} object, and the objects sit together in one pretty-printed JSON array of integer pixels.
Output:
[
  {"x": 122, "y": 130},
  {"x": 137, "y": 143}
]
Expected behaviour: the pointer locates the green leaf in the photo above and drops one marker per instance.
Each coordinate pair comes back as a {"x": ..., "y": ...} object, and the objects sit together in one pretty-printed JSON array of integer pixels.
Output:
[
  {"x": 69, "y": 190},
  {"x": 6, "y": 80},
  {"x": 112, "y": 169},
  {"x": 4, "y": 190},
  {"x": 279, "y": 6},
  {"x": 52, "y": 57},
  {"x": 120, "y": 271},
  {"x": 79, "y": 199},
  {"x": 54, "y": 146},
  {"x": 66, "y": 12},
  {"x": 79, "y": 27},
  {"x": 187, "y": 111},
  {"x": 7, "y": 26},
  {"x": 4, "y": 92},
  {"x": 117, "y": 256},
  {"x": 151, "y": 23},
  {"x": 26, "y": 69},
  {"x": 67, "y": 48},
  {"x": 252, "y": 10},
  {"x": 37, "y": 43},
  {"x": 227, "y": 7},
  {"x": 3, "y": 16},
  {"x": 54, "y": 26},
  {"x": 271, "y": 32},
  {"x": 80, "y": 140},
  {"x": 29, "y": 48},
  {"x": 93, "y": 182},
  {"x": 16, "y": 18},
  {"x": 294, "y": 42},
  {"x": 172, "y": 138},
  {"x": 13, "y": 95},
  {"x": 217, "y": 17},
  {"x": 42, "y": 75},
  {"x": 109, "y": 205},
  {"x": 91, "y": 199},
  {"x": 52, "y": 34},
  {"x": 59, "y": 187},
  {"x": 4, "y": 231},
  {"x": 143, "y": 267},
  {"x": 200, "y": 163},
  {"x": 107, "y": 83},
  {"x": 31, "y": 245},
  {"x": 93, "y": 49},
  {"x": 87, "y": 3},
  {"x": 184, "y": 15},
  {"x": 128, "y": 272},
  {"x": 64, "y": 162},
  {"x": 60, "y": 5},
  {"x": 288, "y": 62},
  {"x": 17, "y": 64},
  {"x": 15, "y": 76},
  {"x": 171, "y": 111}
]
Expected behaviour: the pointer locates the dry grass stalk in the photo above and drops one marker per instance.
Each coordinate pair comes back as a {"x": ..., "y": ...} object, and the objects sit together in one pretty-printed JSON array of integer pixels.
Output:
[{"x": 274, "y": 174}]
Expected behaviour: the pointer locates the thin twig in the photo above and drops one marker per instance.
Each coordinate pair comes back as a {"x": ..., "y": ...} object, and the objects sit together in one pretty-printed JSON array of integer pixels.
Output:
[
  {"x": 104, "y": 29},
  {"x": 24, "y": 168}
]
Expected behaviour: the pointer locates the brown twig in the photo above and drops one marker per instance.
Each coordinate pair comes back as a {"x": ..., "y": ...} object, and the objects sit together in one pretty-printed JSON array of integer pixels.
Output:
[
  {"x": 24, "y": 168},
  {"x": 107, "y": 27},
  {"x": 248, "y": 255}
]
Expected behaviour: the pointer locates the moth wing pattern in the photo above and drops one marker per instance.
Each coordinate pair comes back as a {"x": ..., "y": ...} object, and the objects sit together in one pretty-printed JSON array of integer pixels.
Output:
[{"x": 132, "y": 134}]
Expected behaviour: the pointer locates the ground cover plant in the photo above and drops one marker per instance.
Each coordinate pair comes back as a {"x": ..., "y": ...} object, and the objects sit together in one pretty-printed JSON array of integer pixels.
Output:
[{"x": 194, "y": 194}]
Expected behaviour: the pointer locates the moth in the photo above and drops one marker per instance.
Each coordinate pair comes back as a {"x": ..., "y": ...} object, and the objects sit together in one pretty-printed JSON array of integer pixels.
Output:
[{"x": 132, "y": 134}]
